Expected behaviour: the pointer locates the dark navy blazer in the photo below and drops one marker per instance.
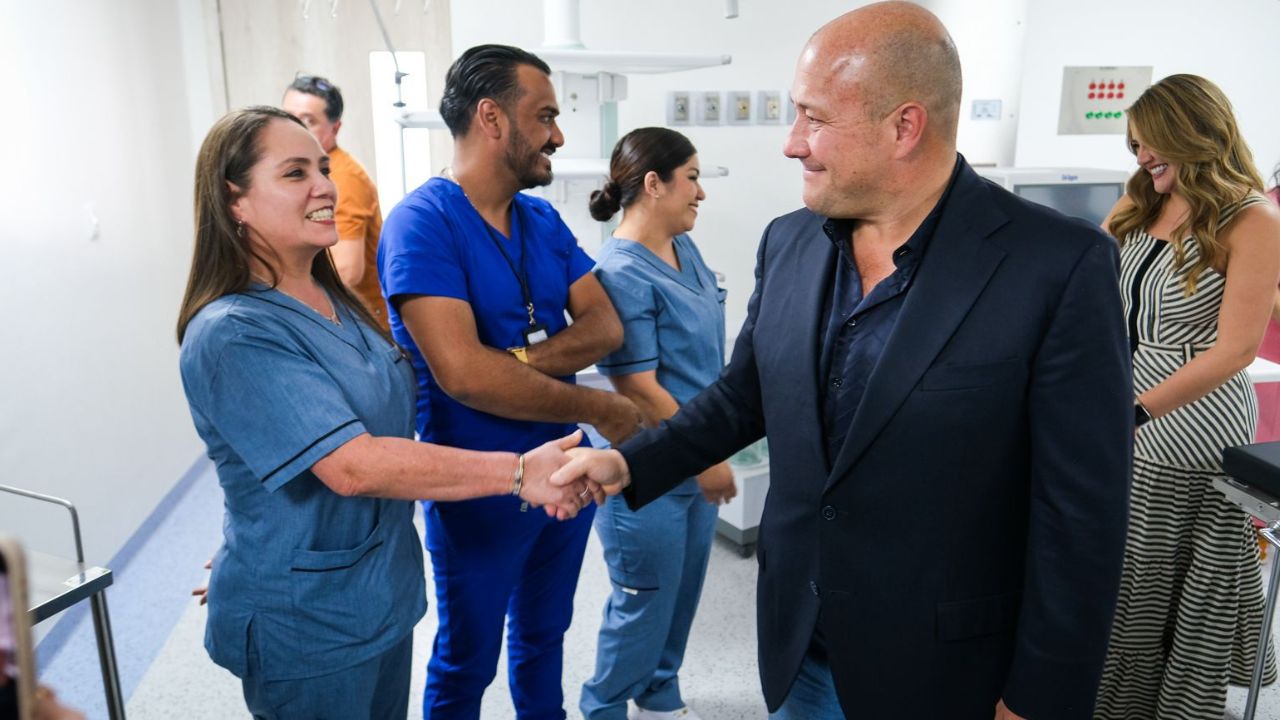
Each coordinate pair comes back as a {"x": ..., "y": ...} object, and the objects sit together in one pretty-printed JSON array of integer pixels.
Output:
[{"x": 965, "y": 544}]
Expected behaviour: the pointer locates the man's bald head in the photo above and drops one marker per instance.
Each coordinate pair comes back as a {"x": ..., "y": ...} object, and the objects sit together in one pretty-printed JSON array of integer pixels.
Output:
[{"x": 893, "y": 52}]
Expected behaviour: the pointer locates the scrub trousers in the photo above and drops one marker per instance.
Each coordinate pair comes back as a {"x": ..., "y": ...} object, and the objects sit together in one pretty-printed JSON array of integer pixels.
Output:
[
  {"x": 495, "y": 558},
  {"x": 657, "y": 560},
  {"x": 376, "y": 689}
]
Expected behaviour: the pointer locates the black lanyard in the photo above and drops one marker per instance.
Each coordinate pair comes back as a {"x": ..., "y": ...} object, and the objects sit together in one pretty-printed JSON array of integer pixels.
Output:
[{"x": 522, "y": 275}]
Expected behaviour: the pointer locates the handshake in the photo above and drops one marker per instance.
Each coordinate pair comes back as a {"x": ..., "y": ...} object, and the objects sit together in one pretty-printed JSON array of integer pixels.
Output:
[{"x": 562, "y": 478}]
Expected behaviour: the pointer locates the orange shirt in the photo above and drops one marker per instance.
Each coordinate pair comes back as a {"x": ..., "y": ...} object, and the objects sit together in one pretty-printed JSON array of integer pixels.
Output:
[{"x": 358, "y": 217}]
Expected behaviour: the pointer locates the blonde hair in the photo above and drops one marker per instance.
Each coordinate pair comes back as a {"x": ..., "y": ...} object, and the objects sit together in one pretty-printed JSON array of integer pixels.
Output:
[
  {"x": 1188, "y": 121},
  {"x": 223, "y": 254}
]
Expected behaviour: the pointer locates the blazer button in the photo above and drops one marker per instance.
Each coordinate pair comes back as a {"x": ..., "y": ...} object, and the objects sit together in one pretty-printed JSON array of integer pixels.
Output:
[
  {"x": 837, "y": 383},
  {"x": 828, "y": 513},
  {"x": 813, "y": 585}
]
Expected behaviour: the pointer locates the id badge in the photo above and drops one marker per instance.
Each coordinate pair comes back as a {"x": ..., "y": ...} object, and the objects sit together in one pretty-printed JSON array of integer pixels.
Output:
[{"x": 535, "y": 334}]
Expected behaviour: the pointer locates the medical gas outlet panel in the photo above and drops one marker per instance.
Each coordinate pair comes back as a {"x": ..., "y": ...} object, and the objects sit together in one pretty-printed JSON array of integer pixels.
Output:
[{"x": 1096, "y": 100}]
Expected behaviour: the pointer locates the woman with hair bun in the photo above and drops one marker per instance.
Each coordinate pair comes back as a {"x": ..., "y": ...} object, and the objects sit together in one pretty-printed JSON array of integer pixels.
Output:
[
  {"x": 1199, "y": 263},
  {"x": 673, "y": 320}
]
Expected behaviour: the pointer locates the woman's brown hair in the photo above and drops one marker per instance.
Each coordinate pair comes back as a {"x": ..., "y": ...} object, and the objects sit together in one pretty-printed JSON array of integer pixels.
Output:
[
  {"x": 1187, "y": 120},
  {"x": 639, "y": 152},
  {"x": 221, "y": 261}
]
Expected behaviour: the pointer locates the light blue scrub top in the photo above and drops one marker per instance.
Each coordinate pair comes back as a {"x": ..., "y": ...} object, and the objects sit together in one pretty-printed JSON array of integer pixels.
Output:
[
  {"x": 672, "y": 320},
  {"x": 321, "y": 582}
]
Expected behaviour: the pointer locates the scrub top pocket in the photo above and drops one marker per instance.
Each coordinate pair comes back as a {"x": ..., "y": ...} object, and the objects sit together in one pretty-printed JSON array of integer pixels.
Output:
[{"x": 332, "y": 596}]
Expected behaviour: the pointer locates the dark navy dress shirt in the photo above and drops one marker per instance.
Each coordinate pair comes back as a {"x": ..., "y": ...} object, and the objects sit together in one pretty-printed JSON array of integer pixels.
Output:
[{"x": 859, "y": 324}]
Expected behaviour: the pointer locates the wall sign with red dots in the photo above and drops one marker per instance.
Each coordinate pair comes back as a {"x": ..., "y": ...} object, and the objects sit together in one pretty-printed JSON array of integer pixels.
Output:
[{"x": 1095, "y": 100}]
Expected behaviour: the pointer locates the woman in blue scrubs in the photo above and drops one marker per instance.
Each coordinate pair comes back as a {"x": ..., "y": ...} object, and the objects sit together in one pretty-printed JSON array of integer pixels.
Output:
[
  {"x": 673, "y": 320},
  {"x": 308, "y": 412}
]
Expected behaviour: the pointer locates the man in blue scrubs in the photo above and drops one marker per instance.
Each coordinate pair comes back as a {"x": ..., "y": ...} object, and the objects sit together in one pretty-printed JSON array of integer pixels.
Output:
[{"x": 479, "y": 278}]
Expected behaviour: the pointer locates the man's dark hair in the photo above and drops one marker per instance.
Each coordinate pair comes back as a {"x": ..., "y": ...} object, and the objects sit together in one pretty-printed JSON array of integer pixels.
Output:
[
  {"x": 323, "y": 89},
  {"x": 484, "y": 71}
]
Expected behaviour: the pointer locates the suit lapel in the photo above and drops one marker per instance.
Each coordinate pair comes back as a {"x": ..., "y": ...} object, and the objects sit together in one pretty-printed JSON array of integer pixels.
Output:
[
  {"x": 813, "y": 265},
  {"x": 956, "y": 267}
]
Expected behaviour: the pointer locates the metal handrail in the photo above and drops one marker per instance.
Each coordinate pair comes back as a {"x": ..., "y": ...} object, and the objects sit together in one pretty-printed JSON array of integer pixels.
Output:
[
  {"x": 75, "y": 516},
  {"x": 97, "y": 606}
]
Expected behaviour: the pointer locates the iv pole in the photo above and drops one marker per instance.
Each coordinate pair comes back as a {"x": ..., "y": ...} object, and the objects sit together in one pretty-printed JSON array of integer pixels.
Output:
[{"x": 404, "y": 180}]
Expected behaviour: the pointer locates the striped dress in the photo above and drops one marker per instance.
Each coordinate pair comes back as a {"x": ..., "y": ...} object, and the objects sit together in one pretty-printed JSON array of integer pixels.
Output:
[{"x": 1191, "y": 600}]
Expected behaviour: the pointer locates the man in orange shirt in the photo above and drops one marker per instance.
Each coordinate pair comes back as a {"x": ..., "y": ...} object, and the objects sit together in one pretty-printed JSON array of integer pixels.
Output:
[{"x": 318, "y": 104}]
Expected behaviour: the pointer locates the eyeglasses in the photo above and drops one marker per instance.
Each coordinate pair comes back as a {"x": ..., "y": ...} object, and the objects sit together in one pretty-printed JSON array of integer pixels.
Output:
[{"x": 312, "y": 81}]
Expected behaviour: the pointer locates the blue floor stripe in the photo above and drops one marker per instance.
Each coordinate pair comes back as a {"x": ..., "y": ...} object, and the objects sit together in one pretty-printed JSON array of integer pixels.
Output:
[{"x": 154, "y": 573}]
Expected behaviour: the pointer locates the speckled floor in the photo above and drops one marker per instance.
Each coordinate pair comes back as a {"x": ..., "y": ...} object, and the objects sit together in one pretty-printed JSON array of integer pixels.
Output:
[
  {"x": 719, "y": 678},
  {"x": 166, "y": 673}
]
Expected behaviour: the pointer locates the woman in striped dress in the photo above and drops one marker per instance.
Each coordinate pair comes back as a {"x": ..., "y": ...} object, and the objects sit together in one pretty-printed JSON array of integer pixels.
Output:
[{"x": 1200, "y": 260}]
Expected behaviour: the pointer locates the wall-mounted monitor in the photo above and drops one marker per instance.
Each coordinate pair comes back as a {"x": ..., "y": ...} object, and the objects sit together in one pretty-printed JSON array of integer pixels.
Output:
[{"x": 1086, "y": 193}]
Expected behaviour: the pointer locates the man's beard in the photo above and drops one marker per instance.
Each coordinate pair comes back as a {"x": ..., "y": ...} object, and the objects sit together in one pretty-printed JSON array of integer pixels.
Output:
[{"x": 523, "y": 162}]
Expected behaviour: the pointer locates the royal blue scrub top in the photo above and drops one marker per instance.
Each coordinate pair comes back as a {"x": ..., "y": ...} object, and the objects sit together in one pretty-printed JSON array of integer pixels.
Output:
[
  {"x": 435, "y": 243},
  {"x": 672, "y": 320},
  {"x": 315, "y": 581}
]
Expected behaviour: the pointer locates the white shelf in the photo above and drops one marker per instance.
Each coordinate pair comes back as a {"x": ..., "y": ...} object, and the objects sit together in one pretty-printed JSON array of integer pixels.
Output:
[
  {"x": 598, "y": 168},
  {"x": 581, "y": 60},
  {"x": 1263, "y": 371},
  {"x": 421, "y": 119}
]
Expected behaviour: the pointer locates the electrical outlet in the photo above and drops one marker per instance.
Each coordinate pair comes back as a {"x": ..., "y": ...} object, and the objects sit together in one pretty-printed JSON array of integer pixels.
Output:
[
  {"x": 769, "y": 107},
  {"x": 710, "y": 114},
  {"x": 986, "y": 110},
  {"x": 679, "y": 108},
  {"x": 738, "y": 107}
]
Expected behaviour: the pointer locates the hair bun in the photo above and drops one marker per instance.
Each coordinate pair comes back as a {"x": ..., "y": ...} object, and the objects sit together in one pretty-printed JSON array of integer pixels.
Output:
[{"x": 604, "y": 202}]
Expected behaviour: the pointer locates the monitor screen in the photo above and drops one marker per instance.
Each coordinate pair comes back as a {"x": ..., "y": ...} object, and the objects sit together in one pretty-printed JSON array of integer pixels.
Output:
[{"x": 1088, "y": 201}]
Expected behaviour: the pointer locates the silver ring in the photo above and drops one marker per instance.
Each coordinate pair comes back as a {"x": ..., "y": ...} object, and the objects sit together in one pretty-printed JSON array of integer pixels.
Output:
[{"x": 585, "y": 492}]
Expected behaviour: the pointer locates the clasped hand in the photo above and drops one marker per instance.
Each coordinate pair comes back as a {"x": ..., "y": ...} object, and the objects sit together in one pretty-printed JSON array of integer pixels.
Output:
[
  {"x": 562, "y": 500},
  {"x": 562, "y": 478}
]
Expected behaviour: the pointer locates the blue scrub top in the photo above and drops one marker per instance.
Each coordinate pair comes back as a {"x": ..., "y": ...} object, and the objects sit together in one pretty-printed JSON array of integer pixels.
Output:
[
  {"x": 435, "y": 243},
  {"x": 672, "y": 320},
  {"x": 322, "y": 582}
]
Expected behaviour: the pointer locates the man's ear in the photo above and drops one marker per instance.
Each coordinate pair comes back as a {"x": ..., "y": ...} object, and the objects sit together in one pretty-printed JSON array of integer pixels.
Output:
[
  {"x": 337, "y": 125},
  {"x": 489, "y": 118},
  {"x": 909, "y": 121}
]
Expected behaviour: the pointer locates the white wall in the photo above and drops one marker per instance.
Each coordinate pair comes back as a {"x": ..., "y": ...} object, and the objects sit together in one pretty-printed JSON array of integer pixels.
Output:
[
  {"x": 1235, "y": 44},
  {"x": 265, "y": 42},
  {"x": 991, "y": 39},
  {"x": 96, "y": 119},
  {"x": 765, "y": 41}
]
